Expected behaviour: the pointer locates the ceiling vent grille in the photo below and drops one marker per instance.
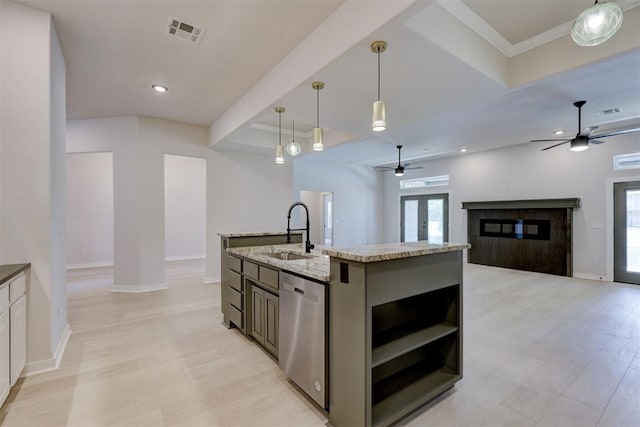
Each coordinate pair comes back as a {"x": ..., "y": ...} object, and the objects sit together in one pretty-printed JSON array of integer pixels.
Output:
[
  {"x": 609, "y": 111},
  {"x": 189, "y": 32}
]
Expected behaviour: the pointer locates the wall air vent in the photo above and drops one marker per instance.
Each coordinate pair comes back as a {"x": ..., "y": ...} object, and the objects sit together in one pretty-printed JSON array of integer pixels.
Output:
[
  {"x": 189, "y": 32},
  {"x": 609, "y": 111}
]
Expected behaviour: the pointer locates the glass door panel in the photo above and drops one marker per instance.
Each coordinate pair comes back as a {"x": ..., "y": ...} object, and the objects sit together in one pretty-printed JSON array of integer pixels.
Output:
[
  {"x": 410, "y": 221},
  {"x": 424, "y": 217},
  {"x": 626, "y": 231}
]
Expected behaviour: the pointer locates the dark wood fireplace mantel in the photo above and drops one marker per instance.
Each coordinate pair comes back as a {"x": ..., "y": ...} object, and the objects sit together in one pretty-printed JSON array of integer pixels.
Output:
[
  {"x": 572, "y": 203},
  {"x": 531, "y": 235}
]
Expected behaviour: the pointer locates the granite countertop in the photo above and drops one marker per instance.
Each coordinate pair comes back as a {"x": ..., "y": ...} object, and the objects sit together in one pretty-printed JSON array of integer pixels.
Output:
[
  {"x": 257, "y": 233},
  {"x": 9, "y": 271},
  {"x": 316, "y": 267},
  {"x": 389, "y": 251}
]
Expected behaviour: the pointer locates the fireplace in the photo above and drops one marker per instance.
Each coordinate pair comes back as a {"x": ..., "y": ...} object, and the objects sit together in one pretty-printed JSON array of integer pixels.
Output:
[{"x": 531, "y": 235}]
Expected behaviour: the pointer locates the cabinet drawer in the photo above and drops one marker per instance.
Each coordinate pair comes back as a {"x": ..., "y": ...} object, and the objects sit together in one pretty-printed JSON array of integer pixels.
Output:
[
  {"x": 235, "y": 316},
  {"x": 17, "y": 288},
  {"x": 251, "y": 270},
  {"x": 4, "y": 298},
  {"x": 235, "y": 281},
  {"x": 235, "y": 263},
  {"x": 235, "y": 298},
  {"x": 269, "y": 277}
]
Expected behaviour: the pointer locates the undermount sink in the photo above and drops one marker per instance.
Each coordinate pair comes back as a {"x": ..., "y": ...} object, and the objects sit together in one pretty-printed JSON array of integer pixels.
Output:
[{"x": 289, "y": 256}]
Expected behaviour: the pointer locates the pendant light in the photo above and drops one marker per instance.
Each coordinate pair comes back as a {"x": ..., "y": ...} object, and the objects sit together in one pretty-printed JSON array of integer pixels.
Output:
[
  {"x": 279, "y": 149},
  {"x": 318, "y": 144},
  {"x": 597, "y": 24},
  {"x": 379, "y": 122},
  {"x": 293, "y": 148}
]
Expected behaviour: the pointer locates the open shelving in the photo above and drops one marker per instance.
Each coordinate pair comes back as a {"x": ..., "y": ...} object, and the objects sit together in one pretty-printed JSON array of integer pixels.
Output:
[{"x": 415, "y": 352}]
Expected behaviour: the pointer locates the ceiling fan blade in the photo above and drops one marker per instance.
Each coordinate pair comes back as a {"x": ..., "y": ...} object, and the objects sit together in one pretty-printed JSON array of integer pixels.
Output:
[
  {"x": 596, "y": 141},
  {"x": 618, "y": 132},
  {"x": 415, "y": 167},
  {"x": 555, "y": 145},
  {"x": 587, "y": 131},
  {"x": 385, "y": 168},
  {"x": 549, "y": 140}
]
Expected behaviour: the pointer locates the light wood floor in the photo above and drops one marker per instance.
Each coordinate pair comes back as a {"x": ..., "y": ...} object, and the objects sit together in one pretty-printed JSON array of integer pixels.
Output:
[{"x": 538, "y": 350}]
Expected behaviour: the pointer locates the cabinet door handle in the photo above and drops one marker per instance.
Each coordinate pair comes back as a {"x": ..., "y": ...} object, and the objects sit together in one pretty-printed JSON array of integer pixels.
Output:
[{"x": 300, "y": 291}]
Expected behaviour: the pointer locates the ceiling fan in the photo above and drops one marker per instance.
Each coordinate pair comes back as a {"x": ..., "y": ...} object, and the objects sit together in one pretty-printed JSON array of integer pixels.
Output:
[
  {"x": 584, "y": 137},
  {"x": 399, "y": 170}
]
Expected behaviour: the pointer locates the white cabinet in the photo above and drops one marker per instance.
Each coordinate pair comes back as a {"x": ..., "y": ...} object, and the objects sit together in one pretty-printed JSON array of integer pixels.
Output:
[
  {"x": 18, "y": 337},
  {"x": 13, "y": 333},
  {"x": 5, "y": 352}
]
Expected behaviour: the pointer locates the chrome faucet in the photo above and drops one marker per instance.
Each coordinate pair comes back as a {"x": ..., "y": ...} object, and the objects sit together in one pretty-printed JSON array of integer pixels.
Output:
[{"x": 307, "y": 245}]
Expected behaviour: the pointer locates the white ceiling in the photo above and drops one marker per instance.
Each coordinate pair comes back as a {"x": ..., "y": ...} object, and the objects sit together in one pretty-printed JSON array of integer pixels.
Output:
[{"x": 444, "y": 90}]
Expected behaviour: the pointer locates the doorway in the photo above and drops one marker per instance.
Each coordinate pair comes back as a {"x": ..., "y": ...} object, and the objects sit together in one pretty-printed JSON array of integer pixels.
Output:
[
  {"x": 626, "y": 232},
  {"x": 424, "y": 217},
  {"x": 185, "y": 212},
  {"x": 320, "y": 204}
]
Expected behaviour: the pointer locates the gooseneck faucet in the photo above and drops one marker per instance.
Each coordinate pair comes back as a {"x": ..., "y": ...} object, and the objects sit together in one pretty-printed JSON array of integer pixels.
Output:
[{"x": 307, "y": 245}]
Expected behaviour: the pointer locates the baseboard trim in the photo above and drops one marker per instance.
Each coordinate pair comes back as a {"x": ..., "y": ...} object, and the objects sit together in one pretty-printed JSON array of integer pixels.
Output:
[
  {"x": 89, "y": 265},
  {"x": 210, "y": 280},
  {"x": 590, "y": 277},
  {"x": 42, "y": 366},
  {"x": 184, "y": 258},
  {"x": 139, "y": 289}
]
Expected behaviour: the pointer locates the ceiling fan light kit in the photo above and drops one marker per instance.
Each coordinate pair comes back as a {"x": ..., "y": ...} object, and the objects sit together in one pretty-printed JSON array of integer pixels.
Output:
[
  {"x": 379, "y": 122},
  {"x": 597, "y": 24},
  {"x": 318, "y": 137},
  {"x": 584, "y": 136}
]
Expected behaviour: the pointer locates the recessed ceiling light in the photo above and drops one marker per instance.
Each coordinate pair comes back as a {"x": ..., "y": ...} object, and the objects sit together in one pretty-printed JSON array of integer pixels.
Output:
[
  {"x": 426, "y": 149},
  {"x": 558, "y": 132},
  {"x": 160, "y": 88},
  {"x": 463, "y": 150}
]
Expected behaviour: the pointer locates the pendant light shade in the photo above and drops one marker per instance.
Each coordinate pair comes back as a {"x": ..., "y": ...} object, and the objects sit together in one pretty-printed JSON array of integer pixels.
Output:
[
  {"x": 294, "y": 148},
  {"x": 597, "y": 24},
  {"x": 379, "y": 122},
  {"x": 318, "y": 140},
  {"x": 279, "y": 148}
]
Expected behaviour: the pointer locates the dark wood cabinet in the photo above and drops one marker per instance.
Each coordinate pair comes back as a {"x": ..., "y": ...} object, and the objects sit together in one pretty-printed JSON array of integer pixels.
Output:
[{"x": 264, "y": 318}]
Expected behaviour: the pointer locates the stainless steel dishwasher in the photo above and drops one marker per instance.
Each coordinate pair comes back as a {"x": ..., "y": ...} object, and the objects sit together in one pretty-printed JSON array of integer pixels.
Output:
[{"x": 302, "y": 349}]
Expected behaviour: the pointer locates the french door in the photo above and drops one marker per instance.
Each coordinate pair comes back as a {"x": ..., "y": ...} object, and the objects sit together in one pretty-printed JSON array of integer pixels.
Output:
[
  {"x": 626, "y": 232},
  {"x": 424, "y": 217}
]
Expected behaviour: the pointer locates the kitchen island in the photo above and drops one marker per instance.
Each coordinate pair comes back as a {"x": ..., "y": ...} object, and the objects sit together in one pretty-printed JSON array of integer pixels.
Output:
[{"x": 394, "y": 321}]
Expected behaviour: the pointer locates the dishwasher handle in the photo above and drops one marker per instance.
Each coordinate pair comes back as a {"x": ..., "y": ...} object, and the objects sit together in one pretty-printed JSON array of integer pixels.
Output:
[{"x": 294, "y": 290}]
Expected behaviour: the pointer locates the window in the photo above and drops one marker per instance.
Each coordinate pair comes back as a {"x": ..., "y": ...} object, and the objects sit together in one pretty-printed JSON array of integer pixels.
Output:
[
  {"x": 429, "y": 181},
  {"x": 626, "y": 161}
]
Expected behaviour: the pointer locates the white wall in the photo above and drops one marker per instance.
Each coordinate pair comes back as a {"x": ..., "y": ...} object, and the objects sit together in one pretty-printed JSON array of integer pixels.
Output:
[
  {"x": 90, "y": 209},
  {"x": 525, "y": 172},
  {"x": 357, "y": 209},
  {"x": 313, "y": 200},
  {"x": 33, "y": 192},
  {"x": 244, "y": 192},
  {"x": 185, "y": 207}
]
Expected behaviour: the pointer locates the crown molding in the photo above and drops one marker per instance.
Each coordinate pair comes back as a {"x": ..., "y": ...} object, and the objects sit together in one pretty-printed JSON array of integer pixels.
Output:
[{"x": 481, "y": 27}]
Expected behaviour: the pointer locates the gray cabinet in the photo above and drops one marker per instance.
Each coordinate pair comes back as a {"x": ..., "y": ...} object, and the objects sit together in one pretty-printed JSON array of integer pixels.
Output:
[
  {"x": 395, "y": 338},
  {"x": 263, "y": 312},
  {"x": 234, "y": 269}
]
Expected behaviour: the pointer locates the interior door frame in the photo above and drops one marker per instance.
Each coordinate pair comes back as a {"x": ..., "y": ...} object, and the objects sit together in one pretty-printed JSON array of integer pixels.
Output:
[
  {"x": 609, "y": 224},
  {"x": 427, "y": 195},
  {"x": 619, "y": 233}
]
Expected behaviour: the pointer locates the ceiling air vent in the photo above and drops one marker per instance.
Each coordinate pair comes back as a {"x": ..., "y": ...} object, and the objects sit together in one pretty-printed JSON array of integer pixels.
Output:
[
  {"x": 609, "y": 111},
  {"x": 181, "y": 29}
]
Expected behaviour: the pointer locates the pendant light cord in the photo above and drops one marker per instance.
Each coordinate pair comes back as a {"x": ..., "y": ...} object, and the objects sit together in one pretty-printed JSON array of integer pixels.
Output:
[
  {"x": 378, "y": 73},
  {"x": 279, "y": 128},
  {"x": 318, "y": 107},
  {"x": 293, "y": 138}
]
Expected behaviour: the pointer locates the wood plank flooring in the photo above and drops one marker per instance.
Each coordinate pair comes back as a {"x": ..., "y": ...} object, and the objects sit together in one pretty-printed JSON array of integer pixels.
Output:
[{"x": 538, "y": 350}]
